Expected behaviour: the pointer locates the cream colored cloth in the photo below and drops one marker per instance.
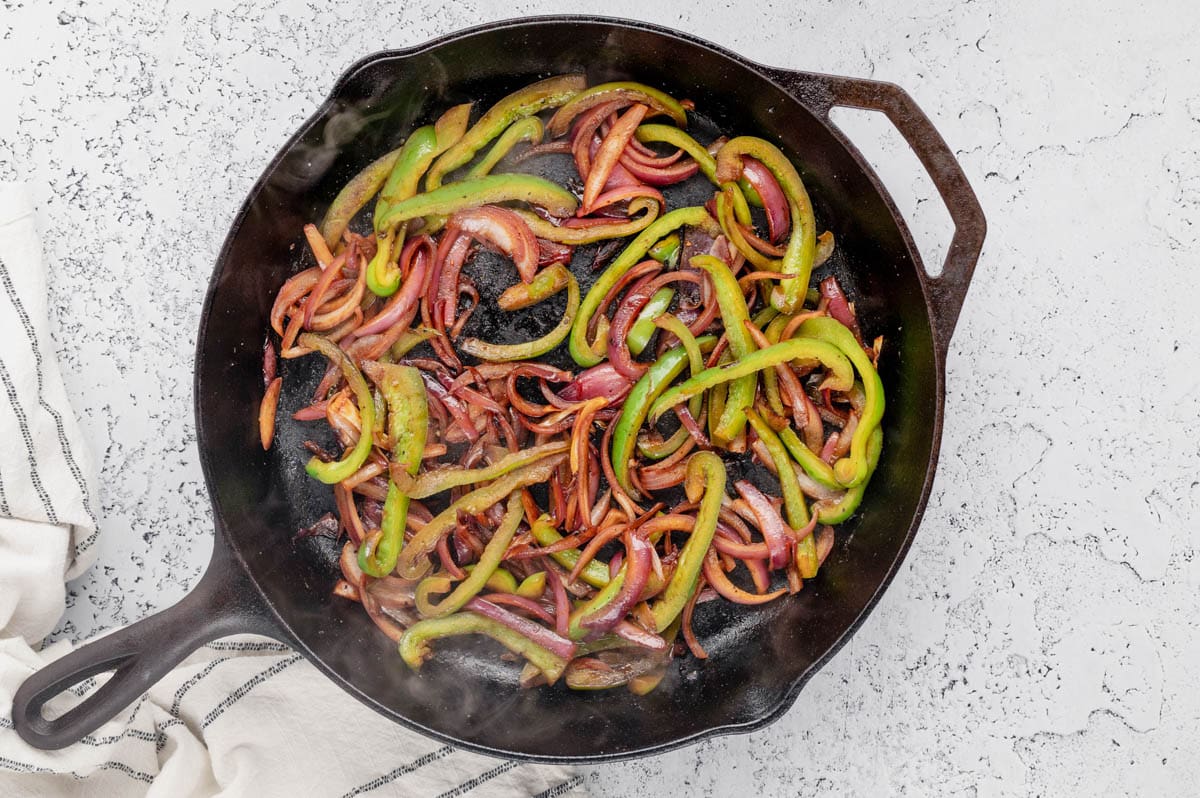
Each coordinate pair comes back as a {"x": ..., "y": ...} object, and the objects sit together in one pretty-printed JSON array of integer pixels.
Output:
[
  {"x": 243, "y": 716},
  {"x": 47, "y": 523}
]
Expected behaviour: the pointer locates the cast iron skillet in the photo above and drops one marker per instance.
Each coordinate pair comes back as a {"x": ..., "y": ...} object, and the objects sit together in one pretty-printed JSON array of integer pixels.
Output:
[{"x": 260, "y": 580}]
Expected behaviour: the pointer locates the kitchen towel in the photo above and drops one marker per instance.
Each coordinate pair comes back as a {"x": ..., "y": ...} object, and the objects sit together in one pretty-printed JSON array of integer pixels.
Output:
[{"x": 243, "y": 716}]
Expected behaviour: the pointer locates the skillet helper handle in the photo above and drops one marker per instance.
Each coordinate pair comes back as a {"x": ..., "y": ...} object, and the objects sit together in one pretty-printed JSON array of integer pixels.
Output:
[
  {"x": 223, "y": 603},
  {"x": 948, "y": 290}
]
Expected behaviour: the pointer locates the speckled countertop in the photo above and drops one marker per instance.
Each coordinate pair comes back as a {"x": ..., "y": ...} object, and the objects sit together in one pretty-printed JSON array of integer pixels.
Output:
[{"x": 1041, "y": 635}]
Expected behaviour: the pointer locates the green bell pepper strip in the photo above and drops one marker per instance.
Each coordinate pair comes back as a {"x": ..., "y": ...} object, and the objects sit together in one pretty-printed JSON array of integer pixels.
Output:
[
  {"x": 380, "y": 414},
  {"x": 734, "y": 315},
  {"x": 802, "y": 244},
  {"x": 503, "y": 353},
  {"x": 415, "y": 649},
  {"x": 716, "y": 398},
  {"x": 693, "y": 347},
  {"x": 532, "y": 586},
  {"x": 336, "y": 471},
  {"x": 487, "y": 190},
  {"x": 383, "y": 275},
  {"x": 413, "y": 563},
  {"x": 840, "y": 378},
  {"x": 637, "y": 404},
  {"x": 435, "y": 584},
  {"x": 545, "y": 284},
  {"x": 854, "y": 469},
  {"x": 658, "y": 450},
  {"x": 410, "y": 339},
  {"x": 705, "y": 483},
  {"x": 423, "y": 145},
  {"x": 443, "y": 479},
  {"x": 667, "y": 251},
  {"x": 501, "y": 580},
  {"x": 415, "y": 156},
  {"x": 739, "y": 203},
  {"x": 636, "y": 407},
  {"x": 530, "y": 100},
  {"x": 594, "y": 573},
  {"x": 658, "y": 101},
  {"x": 673, "y": 325},
  {"x": 835, "y": 512},
  {"x": 528, "y": 129},
  {"x": 643, "y": 328},
  {"x": 408, "y": 422},
  {"x": 809, "y": 460},
  {"x": 605, "y": 642},
  {"x": 641, "y": 214},
  {"x": 355, "y": 195},
  {"x": 489, "y": 561},
  {"x": 639, "y": 671},
  {"x": 793, "y": 500},
  {"x": 696, "y": 216},
  {"x": 764, "y": 317},
  {"x": 391, "y": 526}
]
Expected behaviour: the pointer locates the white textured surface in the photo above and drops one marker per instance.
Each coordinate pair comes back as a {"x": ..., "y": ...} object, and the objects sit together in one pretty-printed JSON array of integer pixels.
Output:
[{"x": 1041, "y": 637}]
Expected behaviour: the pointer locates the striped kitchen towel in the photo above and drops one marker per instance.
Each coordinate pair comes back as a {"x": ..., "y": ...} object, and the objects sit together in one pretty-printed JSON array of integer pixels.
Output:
[{"x": 243, "y": 716}]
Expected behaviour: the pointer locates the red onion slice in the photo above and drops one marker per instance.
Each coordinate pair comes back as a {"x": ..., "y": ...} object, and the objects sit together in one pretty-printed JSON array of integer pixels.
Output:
[
  {"x": 402, "y": 306},
  {"x": 779, "y": 219},
  {"x": 660, "y": 175},
  {"x": 537, "y": 633},
  {"x": 608, "y": 155},
  {"x": 602, "y": 380},
  {"x": 627, "y": 630},
  {"x": 627, "y": 312},
  {"x": 637, "y": 573},
  {"x": 839, "y": 306},
  {"x": 774, "y": 531},
  {"x": 502, "y": 230}
]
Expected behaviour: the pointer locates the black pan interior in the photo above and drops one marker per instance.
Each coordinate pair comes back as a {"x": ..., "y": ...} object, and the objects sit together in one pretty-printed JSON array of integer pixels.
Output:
[{"x": 758, "y": 657}]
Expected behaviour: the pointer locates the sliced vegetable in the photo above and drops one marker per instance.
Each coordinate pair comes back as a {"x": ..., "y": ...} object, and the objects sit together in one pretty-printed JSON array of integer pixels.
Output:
[
  {"x": 415, "y": 646},
  {"x": 854, "y": 469},
  {"x": 484, "y": 191},
  {"x": 802, "y": 245},
  {"x": 336, "y": 471},
  {"x": 548, "y": 93},
  {"x": 705, "y": 484},
  {"x": 408, "y": 419},
  {"x": 840, "y": 378},
  {"x": 529, "y": 129}
]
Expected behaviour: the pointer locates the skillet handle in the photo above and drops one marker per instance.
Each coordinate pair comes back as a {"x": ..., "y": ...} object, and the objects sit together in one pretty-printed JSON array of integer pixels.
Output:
[
  {"x": 223, "y": 603},
  {"x": 948, "y": 290}
]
